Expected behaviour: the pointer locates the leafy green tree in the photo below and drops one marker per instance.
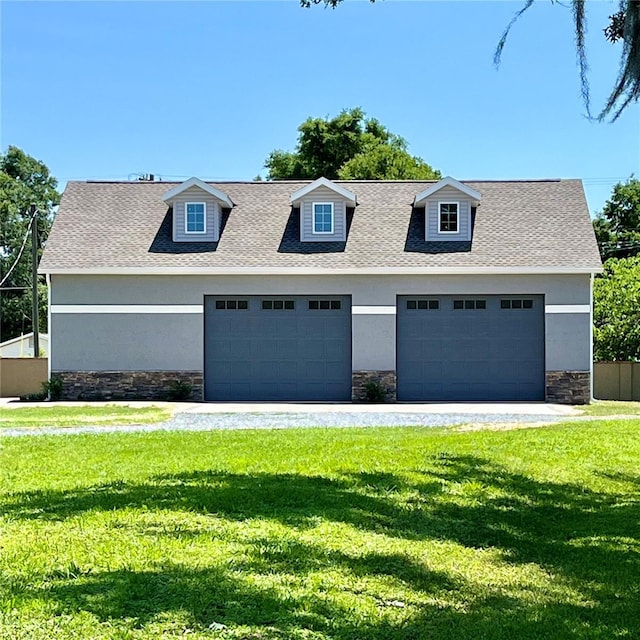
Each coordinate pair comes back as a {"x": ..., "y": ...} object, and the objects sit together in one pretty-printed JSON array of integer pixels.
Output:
[
  {"x": 23, "y": 181},
  {"x": 617, "y": 227},
  {"x": 384, "y": 162},
  {"x": 616, "y": 311},
  {"x": 624, "y": 26},
  {"x": 348, "y": 146}
]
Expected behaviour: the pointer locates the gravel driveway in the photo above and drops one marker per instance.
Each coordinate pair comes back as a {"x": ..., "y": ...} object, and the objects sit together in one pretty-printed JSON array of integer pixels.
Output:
[{"x": 188, "y": 421}]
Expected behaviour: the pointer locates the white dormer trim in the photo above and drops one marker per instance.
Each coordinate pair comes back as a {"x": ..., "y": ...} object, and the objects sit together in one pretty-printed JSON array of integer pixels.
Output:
[
  {"x": 448, "y": 181},
  {"x": 196, "y": 182},
  {"x": 348, "y": 196}
]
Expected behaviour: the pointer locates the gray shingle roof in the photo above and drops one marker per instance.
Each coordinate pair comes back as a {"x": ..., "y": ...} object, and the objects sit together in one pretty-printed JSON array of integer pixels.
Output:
[{"x": 519, "y": 224}]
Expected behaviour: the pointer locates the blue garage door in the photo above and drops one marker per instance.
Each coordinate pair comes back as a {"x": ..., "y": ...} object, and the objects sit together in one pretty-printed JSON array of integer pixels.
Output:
[
  {"x": 456, "y": 348},
  {"x": 277, "y": 348}
]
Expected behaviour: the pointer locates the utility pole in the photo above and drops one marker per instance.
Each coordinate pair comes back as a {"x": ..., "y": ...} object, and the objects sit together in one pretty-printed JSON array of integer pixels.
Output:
[{"x": 34, "y": 281}]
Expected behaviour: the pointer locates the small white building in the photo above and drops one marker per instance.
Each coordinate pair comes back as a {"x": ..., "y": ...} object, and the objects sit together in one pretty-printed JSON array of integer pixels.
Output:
[{"x": 22, "y": 346}]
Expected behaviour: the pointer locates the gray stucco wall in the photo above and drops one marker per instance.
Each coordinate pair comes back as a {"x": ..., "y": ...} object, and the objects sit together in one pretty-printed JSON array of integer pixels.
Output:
[
  {"x": 565, "y": 332},
  {"x": 322, "y": 194},
  {"x": 194, "y": 194},
  {"x": 174, "y": 341},
  {"x": 127, "y": 342},
  {"x": 448, "y": 194}
]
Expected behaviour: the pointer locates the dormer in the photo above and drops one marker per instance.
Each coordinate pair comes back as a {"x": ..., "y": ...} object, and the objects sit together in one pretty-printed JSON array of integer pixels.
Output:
[
  {"x": 197, "y": 211},
  {"x": 447, "y": 210},
  {"x": 323, "y": 211}
]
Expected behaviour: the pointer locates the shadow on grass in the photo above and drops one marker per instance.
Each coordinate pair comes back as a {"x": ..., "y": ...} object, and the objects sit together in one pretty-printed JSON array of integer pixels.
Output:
[
  {"x": 206, "y": 596},
  {"x": 590, "y": 540}
]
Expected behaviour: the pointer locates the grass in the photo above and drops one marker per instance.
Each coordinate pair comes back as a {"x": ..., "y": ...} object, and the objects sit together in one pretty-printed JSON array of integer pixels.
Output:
[
  {"x": 323, "y": 534},
  {"x": 73, "y": 416},
  {"x": 611, "y": 408}
]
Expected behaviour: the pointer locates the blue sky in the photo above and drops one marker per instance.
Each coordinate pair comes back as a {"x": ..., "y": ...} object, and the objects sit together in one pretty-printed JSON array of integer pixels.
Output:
[{"x": 105, "y": 90}]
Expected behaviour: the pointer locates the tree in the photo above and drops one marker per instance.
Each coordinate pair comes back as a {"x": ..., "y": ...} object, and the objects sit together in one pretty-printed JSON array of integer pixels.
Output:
[
  {"x": 624, "y": 25},
  {"x": 348, "y": 147},
  {"x": 617, "y": 226},
  {"x": 616, "y": 311},
  {"x": 23, "y": 181}
]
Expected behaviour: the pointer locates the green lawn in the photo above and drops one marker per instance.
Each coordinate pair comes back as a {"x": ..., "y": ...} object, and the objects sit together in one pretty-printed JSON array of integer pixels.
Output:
[
  {"x": 611, "y": 408},
  {"x": 73, "y": 416},
  {"x": 334, "y": 534}
]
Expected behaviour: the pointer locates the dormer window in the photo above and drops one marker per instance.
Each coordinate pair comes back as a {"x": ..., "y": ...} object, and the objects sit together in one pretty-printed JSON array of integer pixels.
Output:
[
  {"x": 197, "y": 211},
  {"x": 196, "y": 217},
  {"x": 448, "y": 217},
  {"x": 448, "y": 210},
  {"x": 323, "y": 217},
  {"x": 322, "y": 206}
]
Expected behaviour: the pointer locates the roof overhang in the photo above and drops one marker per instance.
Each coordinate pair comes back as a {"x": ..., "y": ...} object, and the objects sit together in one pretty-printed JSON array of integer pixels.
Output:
[
  {"x": 196, "y": 182},
  {"x": 347, "y": 195},
  {"x": 304, "y": 271},
  {"x": 448, "y": 182},
  {"x": 24, "y": 336}
]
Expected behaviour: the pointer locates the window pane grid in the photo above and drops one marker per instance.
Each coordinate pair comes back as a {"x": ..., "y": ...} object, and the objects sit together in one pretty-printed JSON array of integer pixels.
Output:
[
  {"x": 449, "y": 217},
  {"x": 516, "y": 303},
  {"x": 470, "y": 304},
  {"x": 278, "y": 305},
  {"x": 195, "y": 218},
  {"x": 323, "y": 218},
  {"x": 325, "y": 305},
  {"x": 423, "y": 305},
  {"x": 232, "y": 305}
]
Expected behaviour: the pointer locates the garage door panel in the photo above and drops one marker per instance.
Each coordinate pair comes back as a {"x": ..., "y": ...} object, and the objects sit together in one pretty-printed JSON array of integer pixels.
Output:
[
  {"x": 430, "y": 349},
  {"x": 481, "y": 351},
  {"x": 239, "y": 369},
  {"x": 454, "y": 370},
  {"x": 287, "y": 349},
  {"x": 314, "y": 325},
  {"x": 315, "y": 369},
  {"x": 311, "y": 349},
  {"x": 432, "y": 370},
  {"x": 269, "y": 351},
  {"x": 479, "y": 370},
  {"x": 240, "y": 348},
  {"x": 333, "y": 349}
]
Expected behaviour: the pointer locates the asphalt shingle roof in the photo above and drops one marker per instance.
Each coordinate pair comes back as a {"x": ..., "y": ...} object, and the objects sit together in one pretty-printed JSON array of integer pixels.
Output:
[{"x": 527, "y": 224}]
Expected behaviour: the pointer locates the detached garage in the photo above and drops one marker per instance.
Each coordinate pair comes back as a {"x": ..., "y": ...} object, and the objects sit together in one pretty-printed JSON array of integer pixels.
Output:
[
  {"x": 453, "y": 348},
  {"x": 277, "y": 348},
  {"x": 323, "y": 290}
]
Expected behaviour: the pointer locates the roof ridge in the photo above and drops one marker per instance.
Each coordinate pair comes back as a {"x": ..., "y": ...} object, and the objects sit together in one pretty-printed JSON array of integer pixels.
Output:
[{"x": 306, "y": 181}]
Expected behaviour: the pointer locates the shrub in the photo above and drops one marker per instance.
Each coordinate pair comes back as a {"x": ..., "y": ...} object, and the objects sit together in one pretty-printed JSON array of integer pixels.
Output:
[
  {"x": 35, "y": 397},
  {"x": 52, "y": 389},
  {"x": 374, "y": 391},
  {"x": 179, "y": 391}
]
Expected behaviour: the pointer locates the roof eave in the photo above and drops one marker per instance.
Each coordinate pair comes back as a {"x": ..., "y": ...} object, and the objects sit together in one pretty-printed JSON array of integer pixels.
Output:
[
  {"x": 349, "y": 196},
  {"x": 289, "y": 271},
  {"x": 196, "y": 182},
  {"x": 448, "y": 181}
]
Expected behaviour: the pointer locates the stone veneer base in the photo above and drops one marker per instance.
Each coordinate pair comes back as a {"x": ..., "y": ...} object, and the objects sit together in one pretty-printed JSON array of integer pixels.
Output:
[
  {"x": 359, "y": 380},
  {"x": 563, "y": 387},
  {"x": 126, "y": 385},
  {"x": 568, "y": 387}
]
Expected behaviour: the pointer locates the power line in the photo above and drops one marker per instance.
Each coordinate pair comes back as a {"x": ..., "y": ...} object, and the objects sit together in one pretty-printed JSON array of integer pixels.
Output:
[{"x": 24, "y": 244}]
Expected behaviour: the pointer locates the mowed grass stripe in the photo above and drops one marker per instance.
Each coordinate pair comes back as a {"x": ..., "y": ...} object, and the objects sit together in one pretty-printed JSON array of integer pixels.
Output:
[
  {"x": 323, "y": 533},
  {"x": 74, "y": 416}
]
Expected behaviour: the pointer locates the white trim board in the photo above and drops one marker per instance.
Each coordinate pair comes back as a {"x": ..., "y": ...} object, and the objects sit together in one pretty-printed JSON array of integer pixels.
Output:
[
  {"x": 319, "y": 271},
  {"x": 447, "y": 181},
  {"x": 196, "y": 182},
  {"x": 198, "y": 308},
  {"x": 127, "y": 308},
  {"x": 567, "y": 308},
  {"x": 374, "y": 310}
]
